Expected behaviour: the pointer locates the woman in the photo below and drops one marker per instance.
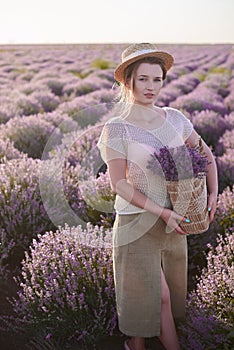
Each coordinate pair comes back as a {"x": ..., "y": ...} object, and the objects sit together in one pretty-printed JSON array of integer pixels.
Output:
[{"x": 149, "y": 246}]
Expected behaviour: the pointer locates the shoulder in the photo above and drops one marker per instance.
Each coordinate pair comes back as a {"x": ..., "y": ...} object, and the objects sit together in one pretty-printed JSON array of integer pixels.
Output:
[
  {"x": 176, "y": 115},
  {"x": 174, "y": 111},
  {"x": 115, "y": 120},
  {"x": 116, "y": 124},
  {"x": 114, "y": 127}
]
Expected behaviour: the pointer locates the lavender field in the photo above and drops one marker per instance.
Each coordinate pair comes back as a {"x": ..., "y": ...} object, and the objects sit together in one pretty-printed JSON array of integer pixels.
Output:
[{"x": 56, "y": 204}]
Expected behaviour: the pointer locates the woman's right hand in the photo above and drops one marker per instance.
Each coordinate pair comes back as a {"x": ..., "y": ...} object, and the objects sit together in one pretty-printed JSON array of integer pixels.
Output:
[{"x": 172, "y": 219}]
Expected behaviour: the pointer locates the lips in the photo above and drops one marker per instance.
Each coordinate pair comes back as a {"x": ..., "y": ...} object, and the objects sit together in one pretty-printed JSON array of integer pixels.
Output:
[{"x": 149, "y": 95}]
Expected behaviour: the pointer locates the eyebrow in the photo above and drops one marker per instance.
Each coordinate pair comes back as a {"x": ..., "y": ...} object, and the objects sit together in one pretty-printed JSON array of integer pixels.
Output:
[{"x": 144, "y": 75}]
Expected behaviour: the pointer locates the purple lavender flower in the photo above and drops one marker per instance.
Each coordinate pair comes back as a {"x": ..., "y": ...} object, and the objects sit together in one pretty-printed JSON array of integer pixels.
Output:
[
  {"x": 29, "y": 134},
  {"x": 68, "y": 279},
  {"x": 177, "y": 163},
  {"x": 226, "y": 141},
  {"x": 200, "y": 99},
  {"x": 209, "y": 319},
  {"x": 22, "y": 214},
  {"x": 8, "y": 151},
  {"x": 6, "y": 248},
  {"x": 225, "y": 165},
  {"x": 229, "y": 101},
  {"x": 210, "y": 126},
  {"x": 47, "y": 100}
]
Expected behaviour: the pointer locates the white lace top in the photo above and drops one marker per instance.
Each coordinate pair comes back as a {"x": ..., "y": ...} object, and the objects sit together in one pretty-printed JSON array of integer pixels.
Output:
[{"x": 136, "y": 144}]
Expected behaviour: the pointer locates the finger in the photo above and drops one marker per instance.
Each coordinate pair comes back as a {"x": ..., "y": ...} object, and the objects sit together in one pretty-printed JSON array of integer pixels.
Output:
[
  {"x": 180, "y": 231},
  {"x": 183, "y": 218},
  {"x": 211, "y": 215},
  {"x": 211, "y": 204},
  {"x": 186, "y": 220},
  {"x": 211, "y": 209}
]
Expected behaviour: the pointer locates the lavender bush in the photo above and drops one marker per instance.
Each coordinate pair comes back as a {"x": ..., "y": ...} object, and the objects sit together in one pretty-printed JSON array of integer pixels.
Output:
[
  {"x": 8, "y": 151},
  {"x": 76, "y": 197},
  {"x": 73, "y": 188},
  {"x": 67, "y": 286},
  {"x": 84, "y": 110},
  {"x": 210, "y": 126},
  {"x": 186, "y": 83},
  {"x": 29, "y": 134},
  {"x": 202, "y": 331},
  {"x": 225, "y": 142},
  {"x": 84, "y": 146},
  {"x": 14, "y": 103},
  {"x": 22, "y": 214},
  {"x": 90, "y": 115},
  {"x": 103, "y": 96},
  {"x": 27, "y": 105},
  {"x": 62, "y": 121},
  {"x": 6, "y": 247},
  {"x": 225, "y": 165},
  {"x": 90, "y": 197},
  {"x": 55, "y": 85},
  {"x": 30, "y": 88},
  {"x": 224, "y": 217},
  {"x": 88, "y": 85},
  {"x": 7, "y": 109},
  {"x": 198, "y": 101},
  {"x": 210, "y": 309},
  {"x": 229, "y": 101},
  {"x": 197, "y": 245},
  {"x": 98, "y": 199},
  {"x": 167, "y": 95},
  {"x": 215, "y": 290},
  {"x": 48, "y": 101}
]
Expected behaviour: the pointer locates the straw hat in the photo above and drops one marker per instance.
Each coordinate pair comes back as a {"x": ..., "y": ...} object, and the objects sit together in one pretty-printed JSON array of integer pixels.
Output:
[{"x": 137, "y": 51}]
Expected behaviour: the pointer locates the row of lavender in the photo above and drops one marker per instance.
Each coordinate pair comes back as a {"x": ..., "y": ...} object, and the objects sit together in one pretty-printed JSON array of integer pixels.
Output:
[{"x": 53, "y": 104}]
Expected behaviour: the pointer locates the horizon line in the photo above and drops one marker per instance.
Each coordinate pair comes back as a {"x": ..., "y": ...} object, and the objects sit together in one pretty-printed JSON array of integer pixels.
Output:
[{"x": 113, "y": 43}]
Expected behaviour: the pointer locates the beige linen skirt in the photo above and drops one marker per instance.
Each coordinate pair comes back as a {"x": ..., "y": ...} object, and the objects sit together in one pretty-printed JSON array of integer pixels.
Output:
[{"x": 141, "y": 246}]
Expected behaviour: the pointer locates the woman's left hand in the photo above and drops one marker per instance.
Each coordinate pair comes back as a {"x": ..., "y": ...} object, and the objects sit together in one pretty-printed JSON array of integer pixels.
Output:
[{"x": 212, "y": 202}]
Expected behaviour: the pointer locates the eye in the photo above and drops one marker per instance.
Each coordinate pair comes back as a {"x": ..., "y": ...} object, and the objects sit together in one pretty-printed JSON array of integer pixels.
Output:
[
  {"x": 142, "y": 79},
  {"x": 157, "y": 79}
]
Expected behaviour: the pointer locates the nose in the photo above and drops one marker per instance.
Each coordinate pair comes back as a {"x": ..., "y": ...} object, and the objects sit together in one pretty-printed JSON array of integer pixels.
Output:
[{"x": 149, "y": 85}]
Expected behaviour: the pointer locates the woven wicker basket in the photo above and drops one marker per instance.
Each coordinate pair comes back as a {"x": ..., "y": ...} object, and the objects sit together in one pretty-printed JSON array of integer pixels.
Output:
[{"x": 189, "y": 198}]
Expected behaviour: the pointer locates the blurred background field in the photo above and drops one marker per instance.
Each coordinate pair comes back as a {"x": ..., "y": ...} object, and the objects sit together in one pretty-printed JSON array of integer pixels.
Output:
[{"x": 56, "y": 205}]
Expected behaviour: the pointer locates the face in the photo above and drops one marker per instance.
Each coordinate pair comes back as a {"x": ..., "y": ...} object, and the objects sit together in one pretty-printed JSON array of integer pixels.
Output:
[{"x": 147, "y": 83}]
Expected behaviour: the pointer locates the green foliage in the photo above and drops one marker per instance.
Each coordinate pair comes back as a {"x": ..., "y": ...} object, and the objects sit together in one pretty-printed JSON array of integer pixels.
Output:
[
  {"x": 79, "y": 74},
  {"x": 201, "y": 76},
  {"x": 101, "y": 64},
  {"x": 220, "y": 70}
]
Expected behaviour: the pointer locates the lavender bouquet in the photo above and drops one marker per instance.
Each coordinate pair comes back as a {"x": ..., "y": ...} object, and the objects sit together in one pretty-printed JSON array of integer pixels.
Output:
[
  {"x": 182, "y": 162},
  {"x": 185, "y": 169}
]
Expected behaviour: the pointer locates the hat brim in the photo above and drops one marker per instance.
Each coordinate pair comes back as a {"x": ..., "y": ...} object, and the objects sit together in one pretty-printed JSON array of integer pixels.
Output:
[{"x": 164, "y": 56}]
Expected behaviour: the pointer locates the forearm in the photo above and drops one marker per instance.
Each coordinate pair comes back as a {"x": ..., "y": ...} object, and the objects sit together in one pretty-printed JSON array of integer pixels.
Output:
[
  {"x": 212, "y": 185},
  {"x": 135, "y": 197},
  {"x": 212, "y": 176}
]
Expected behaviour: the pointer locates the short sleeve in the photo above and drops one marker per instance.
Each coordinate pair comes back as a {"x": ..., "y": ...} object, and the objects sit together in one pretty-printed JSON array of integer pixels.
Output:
[
  {"x": 181, "y": 123},
  {"x": 112, "y": 142},
  {"x": 188, "y": 127}
]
